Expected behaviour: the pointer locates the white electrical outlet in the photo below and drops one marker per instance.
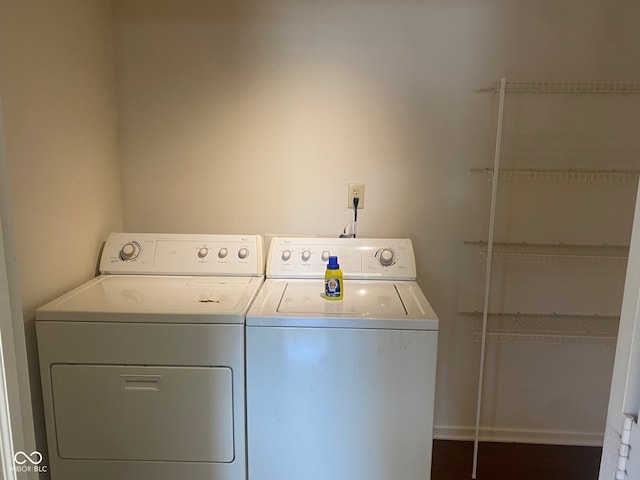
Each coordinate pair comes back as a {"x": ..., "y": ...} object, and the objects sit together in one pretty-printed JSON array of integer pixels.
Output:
[{"x": 355, "y": 190}]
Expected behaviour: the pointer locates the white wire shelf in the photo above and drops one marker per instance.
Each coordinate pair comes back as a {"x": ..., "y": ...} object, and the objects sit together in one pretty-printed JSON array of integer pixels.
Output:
[
  {"x": 549, "y": 328},
  {"x": 566, "y": 87},
  {"x": 553, "y": 254},
  {"x": 585, "y": 176}
]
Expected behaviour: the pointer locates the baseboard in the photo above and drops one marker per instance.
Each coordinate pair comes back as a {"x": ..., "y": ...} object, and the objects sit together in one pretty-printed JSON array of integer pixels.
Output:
[{"x": 547, "y": 437}]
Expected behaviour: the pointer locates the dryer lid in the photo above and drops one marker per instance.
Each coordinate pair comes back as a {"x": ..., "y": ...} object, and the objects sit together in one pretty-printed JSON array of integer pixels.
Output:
[{"x": 146, "y": 298}]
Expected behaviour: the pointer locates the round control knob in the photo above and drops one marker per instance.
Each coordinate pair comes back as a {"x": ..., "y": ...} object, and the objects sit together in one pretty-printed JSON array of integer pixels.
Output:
[
  {"x": 286, "y": 255},
  {"x": 222, "y": 252},
  {"x": 203, "y": 252},
  {"x": 243, "y": 253},
  {"x": 386, "y": 257},
  {"x": 306, "y": 255},
  {"x": 129, "y": 251},
  {"x": 325, "y": 256}
]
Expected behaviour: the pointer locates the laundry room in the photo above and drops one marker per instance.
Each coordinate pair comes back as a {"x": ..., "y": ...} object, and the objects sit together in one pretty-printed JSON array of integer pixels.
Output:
[{"x": 253, "y": 117}]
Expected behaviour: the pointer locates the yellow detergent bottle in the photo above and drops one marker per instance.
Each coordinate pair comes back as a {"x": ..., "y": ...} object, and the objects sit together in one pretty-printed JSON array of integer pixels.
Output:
[{"x": 333, "y": 287}]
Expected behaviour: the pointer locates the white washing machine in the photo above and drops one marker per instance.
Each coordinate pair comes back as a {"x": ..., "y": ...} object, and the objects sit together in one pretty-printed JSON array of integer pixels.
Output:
[
  {"x": 143, "y": 367},
  {"x": 340, "y": 390}
]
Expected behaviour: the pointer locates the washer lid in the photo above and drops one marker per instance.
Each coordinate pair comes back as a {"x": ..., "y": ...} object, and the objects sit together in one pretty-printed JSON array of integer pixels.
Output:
[
  {"x": 366, "y": 304},
  {"x": 144, "y": 298},
  {"x": 372, "y": 299}
]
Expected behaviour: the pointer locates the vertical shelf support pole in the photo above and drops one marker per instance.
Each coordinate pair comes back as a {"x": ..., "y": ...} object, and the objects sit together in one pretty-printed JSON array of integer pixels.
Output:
[{"x": 485, "y": 312}]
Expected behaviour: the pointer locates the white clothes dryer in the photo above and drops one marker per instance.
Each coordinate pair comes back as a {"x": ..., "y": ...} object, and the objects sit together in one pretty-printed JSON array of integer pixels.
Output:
[
  {"x": 340, "y": 389},
  {"x": 143, "y": 367}
]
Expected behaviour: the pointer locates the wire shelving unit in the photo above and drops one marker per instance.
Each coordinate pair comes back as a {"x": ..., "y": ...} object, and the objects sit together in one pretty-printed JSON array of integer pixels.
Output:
[{"x": 492, "y": 326}]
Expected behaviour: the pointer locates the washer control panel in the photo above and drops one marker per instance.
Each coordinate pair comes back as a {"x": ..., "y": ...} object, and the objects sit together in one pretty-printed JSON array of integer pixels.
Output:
[
  {"x": 362, "y": 258},
  {"x": 182, "y": 254}
]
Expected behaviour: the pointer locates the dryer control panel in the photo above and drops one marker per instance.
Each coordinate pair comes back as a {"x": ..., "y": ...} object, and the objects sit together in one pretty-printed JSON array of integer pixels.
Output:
[
  {"x": 183, "y": 254},
  {"x": 359, "y": 258}
]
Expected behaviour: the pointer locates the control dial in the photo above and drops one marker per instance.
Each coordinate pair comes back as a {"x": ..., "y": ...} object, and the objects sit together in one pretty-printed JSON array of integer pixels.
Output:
[
  {"x": 203, "y": 252},
  {"x": 222, "y": 252},
  {"x": 243, "y": 252},
  {"x": 386, "y": 257},
  {"x": 325, "y": 256},
  {"x": 129, "y": 251},
  {"x": 286, "y": 255},
  {"x": 306, "y": 255}
]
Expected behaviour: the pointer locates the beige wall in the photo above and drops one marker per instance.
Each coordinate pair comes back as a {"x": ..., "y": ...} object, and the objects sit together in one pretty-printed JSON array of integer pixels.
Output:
[
  {"x": 252, "y": 116},
  {"x": 58, "y": 102}
]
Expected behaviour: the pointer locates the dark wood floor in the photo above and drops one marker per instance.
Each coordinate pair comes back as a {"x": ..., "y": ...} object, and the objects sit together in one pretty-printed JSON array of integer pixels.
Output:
[{"x": 453, "y": 460}]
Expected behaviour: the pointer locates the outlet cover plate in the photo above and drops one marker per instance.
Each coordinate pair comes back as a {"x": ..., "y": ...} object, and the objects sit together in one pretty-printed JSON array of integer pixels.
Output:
[{"x": 355, "y": 190}]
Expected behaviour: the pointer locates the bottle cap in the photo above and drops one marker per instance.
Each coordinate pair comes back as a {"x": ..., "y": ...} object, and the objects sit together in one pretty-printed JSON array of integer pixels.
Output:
[{"x": 333, "y": 263}]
